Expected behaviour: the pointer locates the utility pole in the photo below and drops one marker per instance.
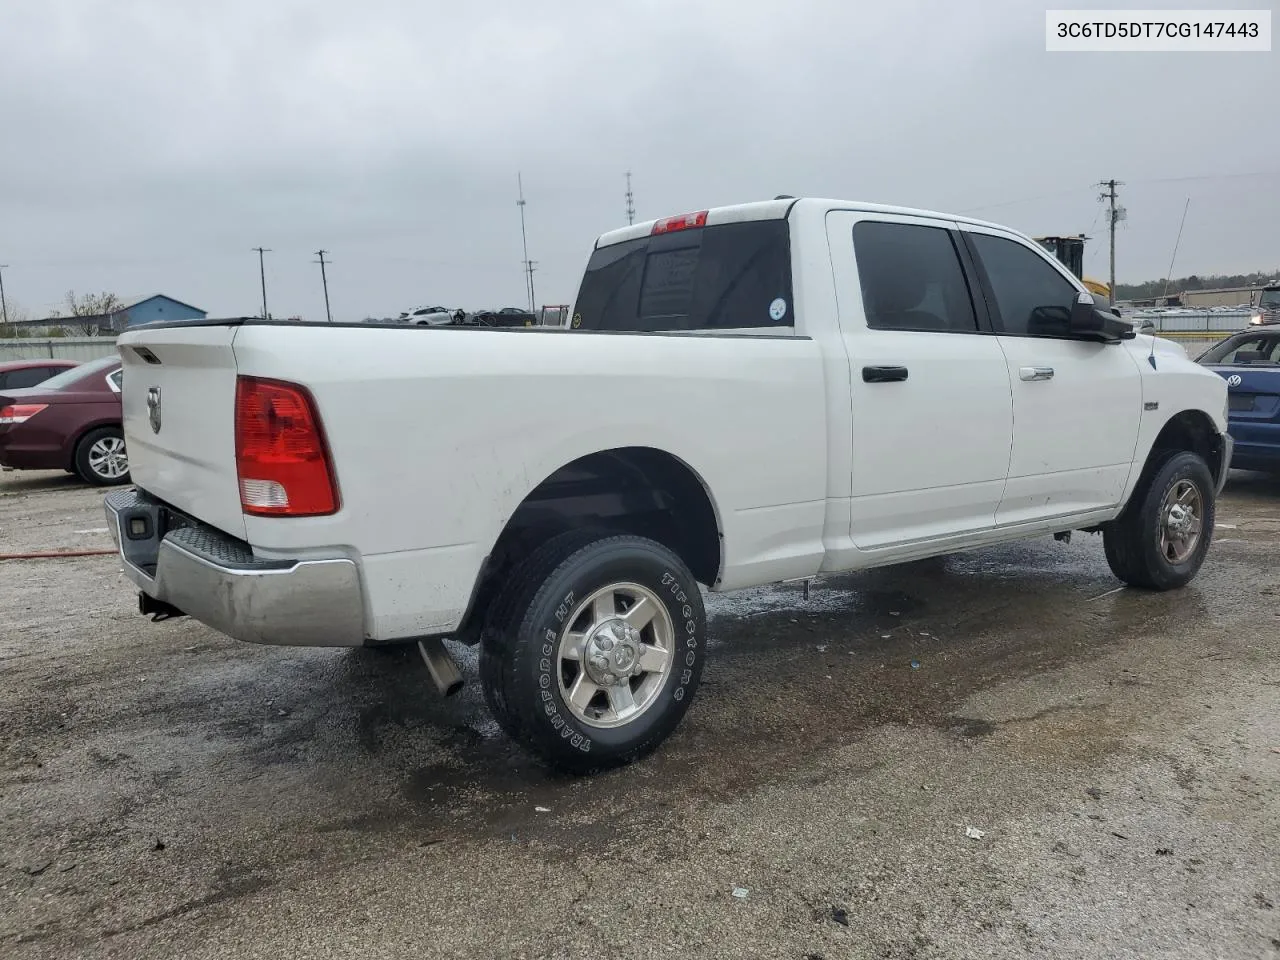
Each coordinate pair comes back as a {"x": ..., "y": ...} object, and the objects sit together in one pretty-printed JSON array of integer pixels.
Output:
[
  {"x": 262, "y": 272},
  {"x": 4, "y": 306},
  {"x": 324, "y": 280},
  {"x": 524, "y": 239},
  {"x": 631, "y": 202},
  {"x": 1117, "y": 214}
]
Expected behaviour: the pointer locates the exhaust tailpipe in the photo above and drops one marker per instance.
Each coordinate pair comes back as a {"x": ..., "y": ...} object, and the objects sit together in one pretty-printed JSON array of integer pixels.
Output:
[{"x": 440, "y": 664}]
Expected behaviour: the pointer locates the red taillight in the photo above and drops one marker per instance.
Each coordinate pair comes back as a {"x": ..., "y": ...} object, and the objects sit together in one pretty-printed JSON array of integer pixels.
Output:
[
  {"x": 682, "y": 222},
  {"x": 20, "y": 412},
  {"x": 281, "y": 457}
]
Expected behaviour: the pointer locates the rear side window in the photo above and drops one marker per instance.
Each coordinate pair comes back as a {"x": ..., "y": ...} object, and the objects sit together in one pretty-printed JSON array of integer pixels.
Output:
[
  {"x": 1032, "y": 298},
  {"x": 721, "y": 277},
  {"x": 28, "y": 377},
  {"x": 911, "y": 278}
]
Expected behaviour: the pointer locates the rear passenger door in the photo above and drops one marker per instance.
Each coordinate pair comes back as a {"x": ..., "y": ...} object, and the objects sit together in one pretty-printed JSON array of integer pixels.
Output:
[
  {"x": 1077, "y": 404},
  {"x": 932, "y": 415}
]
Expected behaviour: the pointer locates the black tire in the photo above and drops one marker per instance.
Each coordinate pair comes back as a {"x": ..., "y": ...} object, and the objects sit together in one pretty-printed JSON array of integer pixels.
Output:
[
  {"x": 521, "y": 673},
  {"x": 84, "y": 467},
  {"x": 1132, "y": 540}
]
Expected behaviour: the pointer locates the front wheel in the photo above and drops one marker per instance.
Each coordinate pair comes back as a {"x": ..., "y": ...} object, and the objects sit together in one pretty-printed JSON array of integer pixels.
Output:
[
  {"x": 101, "y": 459},
  {"x": 1160, "y": 539},
  {"x": 596, "y": 650}
]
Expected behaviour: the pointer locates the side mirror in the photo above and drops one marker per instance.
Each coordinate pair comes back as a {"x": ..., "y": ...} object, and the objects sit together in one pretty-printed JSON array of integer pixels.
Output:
[
  {"x": 1085, "y": 318},
  {"x": 1088, "y": 322}
]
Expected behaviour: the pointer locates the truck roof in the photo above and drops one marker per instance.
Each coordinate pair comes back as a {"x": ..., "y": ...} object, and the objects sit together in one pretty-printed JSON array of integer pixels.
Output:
[{"x": 780, "y": 208}]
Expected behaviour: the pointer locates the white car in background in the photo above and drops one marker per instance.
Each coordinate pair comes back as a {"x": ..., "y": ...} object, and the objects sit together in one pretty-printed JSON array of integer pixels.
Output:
[{"x": 432, "y": 316}]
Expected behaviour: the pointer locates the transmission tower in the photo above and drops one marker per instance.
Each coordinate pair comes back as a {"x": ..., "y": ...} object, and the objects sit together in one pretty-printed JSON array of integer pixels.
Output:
[
  {"x": 524, "y": 239},
  {"x": 631, "y": 202}
]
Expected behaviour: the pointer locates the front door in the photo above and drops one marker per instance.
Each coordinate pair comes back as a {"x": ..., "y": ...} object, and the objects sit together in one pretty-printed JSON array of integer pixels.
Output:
[
  {"x": 931, "y": 410},
  {"x": 1076, "y": 405}
]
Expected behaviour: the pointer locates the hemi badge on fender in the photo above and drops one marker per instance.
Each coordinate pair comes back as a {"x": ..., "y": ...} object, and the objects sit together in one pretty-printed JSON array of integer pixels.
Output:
[{"x": 1151, "y": 405}]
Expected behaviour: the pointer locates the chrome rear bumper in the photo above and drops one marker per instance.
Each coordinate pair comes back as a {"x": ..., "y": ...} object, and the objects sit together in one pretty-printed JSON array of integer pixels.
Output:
[{"x": 217, "y": 580}]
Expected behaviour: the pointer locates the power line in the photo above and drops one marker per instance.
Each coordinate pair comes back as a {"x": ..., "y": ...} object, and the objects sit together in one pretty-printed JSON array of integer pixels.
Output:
[
  {"x": 1096, "y": 216},
  {"x": 1010, "y": 203},
  {"x": 262, "y": 272},
  {"x": 324, "y": 280},
  {"x": 1213, "y": 176}
]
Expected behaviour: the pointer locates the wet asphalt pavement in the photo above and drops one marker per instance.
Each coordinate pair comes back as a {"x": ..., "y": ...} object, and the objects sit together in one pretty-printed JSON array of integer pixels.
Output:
[{"x": 166, "y": 792}]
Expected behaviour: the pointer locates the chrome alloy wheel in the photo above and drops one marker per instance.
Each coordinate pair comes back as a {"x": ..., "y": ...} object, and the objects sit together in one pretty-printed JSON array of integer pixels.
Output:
[
  {"x": 1181, "y": 521},
  {"x": 615, "y": 653},
  {"x": 107, "y": 458}
]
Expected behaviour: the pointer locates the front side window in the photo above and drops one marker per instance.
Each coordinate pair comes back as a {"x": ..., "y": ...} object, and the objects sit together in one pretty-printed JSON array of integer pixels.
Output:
[
  {"x": 911, "y": 278},
  {"x": 1032, "y": 298}
]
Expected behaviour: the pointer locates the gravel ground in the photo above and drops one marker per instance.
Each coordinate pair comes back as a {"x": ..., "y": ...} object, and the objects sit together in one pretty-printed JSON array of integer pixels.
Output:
[{"x": 999, "y": 754}]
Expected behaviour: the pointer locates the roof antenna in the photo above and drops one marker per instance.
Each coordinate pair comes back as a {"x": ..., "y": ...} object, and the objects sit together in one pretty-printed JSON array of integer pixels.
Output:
[{"x": 1151, "y": 357}]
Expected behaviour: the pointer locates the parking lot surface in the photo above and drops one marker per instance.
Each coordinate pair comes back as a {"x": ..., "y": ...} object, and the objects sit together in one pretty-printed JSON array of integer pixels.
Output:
[{"x": 996, "y": 754}]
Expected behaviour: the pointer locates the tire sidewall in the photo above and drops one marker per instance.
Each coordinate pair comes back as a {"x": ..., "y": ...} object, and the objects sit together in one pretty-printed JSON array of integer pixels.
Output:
[
  {"x": 1182, "y": 466},
  {"x": 536, "y": 694},
  {"x": 83, "y": 469}
]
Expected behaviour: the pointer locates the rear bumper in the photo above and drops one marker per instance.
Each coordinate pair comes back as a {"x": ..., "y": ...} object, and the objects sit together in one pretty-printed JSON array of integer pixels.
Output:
[
  {"x": 217, "y": 580},
  {"x": 18, "y": 455}
]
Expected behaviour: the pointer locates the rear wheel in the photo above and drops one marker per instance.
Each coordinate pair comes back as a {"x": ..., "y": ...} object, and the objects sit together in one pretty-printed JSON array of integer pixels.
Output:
[
  {"x": 101, "y": 459},
  {"x": 1160, "y": 540},
  {"x": 593, "y": 653}
]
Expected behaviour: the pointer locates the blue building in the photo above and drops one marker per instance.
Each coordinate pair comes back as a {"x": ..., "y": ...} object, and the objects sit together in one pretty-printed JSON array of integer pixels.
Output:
[
  {"x": 158, "y": 307},
  {"x": 132, "y": 312}
]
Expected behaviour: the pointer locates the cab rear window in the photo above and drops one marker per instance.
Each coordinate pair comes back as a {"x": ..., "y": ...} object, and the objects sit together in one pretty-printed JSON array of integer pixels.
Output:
[{"x": 722, "y": 277}]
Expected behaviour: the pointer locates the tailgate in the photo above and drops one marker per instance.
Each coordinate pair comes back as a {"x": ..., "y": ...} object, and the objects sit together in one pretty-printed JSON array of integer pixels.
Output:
[{"x": 179, "y": 419}]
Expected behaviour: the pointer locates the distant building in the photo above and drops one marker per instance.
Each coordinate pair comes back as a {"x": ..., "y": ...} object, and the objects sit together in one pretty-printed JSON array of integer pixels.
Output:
[
  {"x": 158, "y": 307},
  {"x": 132, "y": 312},
  {"x": 1223, "y": 297}
]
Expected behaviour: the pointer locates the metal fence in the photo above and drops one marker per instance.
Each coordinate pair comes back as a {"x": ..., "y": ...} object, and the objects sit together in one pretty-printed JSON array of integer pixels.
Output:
[
  {"x": 1215, "y": 323},
  {"x": 58, "y": 348},
  {"x": 1196, "y": 330}
]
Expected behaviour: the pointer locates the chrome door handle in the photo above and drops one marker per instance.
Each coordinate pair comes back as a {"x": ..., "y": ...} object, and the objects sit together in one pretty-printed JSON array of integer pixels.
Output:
[{"x": 1035, "y": 373}]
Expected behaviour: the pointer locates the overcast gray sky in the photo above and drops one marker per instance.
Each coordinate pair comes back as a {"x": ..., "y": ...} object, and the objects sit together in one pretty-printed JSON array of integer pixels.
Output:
[{"x": 149, "y": 144}]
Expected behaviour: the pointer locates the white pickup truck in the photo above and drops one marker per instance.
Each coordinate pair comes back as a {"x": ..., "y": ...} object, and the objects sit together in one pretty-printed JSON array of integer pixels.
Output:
[{"x": 744, "y": 395}]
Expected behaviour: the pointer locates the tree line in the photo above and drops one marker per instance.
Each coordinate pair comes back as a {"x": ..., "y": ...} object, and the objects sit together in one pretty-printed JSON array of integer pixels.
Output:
[
  {"x": 1157, "y": 288},
  {"x": 85, "y": 315}
]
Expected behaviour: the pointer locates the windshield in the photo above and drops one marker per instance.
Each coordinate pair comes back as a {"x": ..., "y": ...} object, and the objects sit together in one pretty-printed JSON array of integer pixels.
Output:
[
  {"x": 1270, "y": 298},
  {"x": 85, "y": 371},
  {"x": 1244, "y": 349}
]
